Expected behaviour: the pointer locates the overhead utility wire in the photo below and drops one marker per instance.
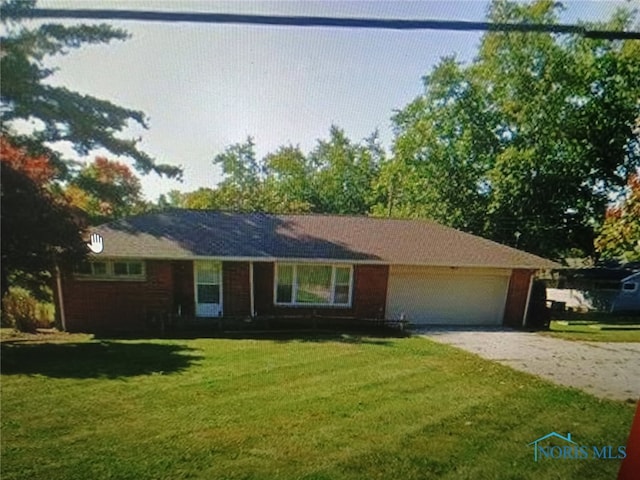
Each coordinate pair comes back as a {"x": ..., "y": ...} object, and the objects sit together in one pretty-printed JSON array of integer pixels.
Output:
[{"x": 296, "y": 21}]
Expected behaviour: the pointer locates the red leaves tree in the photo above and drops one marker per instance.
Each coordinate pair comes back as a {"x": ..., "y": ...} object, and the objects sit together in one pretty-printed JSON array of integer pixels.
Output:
[
  {"x": 619, "y": 236},
  {"x": 38, "y": 169},
  {"x": 38, "y": 228},
  {"x": 105, "y": 190}
]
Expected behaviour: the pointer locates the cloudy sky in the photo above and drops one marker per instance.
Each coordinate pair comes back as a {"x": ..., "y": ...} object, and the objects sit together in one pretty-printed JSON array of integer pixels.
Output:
[{"x": 205, "y": 86}]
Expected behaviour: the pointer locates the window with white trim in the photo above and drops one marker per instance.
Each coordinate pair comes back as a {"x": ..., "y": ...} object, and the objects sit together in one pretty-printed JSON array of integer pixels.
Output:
[
  {"x": 310, "y": 284},
  {"x": 127, "y": 269},
  {"x": 111, "y": 270},
  {"x": 94, "y": 269}
]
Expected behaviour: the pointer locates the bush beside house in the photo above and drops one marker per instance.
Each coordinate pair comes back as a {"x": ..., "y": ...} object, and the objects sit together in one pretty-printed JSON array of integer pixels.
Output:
[{"x": 20, "y": 310}]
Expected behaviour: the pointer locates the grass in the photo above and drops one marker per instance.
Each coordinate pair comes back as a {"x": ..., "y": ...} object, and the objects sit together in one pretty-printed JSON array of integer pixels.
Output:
[
  {"x": 311, "y": 407},
  {"x": 595, "y": 331}
]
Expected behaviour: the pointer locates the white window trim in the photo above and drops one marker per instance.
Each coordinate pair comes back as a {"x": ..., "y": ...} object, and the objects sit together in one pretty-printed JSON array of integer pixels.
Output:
[
  {"x": 220, "y": 268},
  {"x": 110, "y": 275},
  {"x": 294, "y": 286},
  {"x": 630, "y": 290}
]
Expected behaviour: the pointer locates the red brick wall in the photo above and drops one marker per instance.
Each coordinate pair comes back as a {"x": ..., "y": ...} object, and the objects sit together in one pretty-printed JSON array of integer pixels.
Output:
[
  {"x": 517, "y": 297},
  {"x": 369, "y": 294},
  {"x": 370, "y": 290},
  {"x": 103, "y": 305},
  {"x": 236, "y": 301},
  {"x": 107, "y": 305}
]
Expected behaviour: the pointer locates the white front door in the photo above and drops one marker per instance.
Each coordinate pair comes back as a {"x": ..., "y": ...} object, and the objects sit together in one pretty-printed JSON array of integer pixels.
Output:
[{"x": 208, "y": 288}]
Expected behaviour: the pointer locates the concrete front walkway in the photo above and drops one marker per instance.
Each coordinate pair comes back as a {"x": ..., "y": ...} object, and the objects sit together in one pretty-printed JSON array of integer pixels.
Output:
[{"x": 606, "y": 370}]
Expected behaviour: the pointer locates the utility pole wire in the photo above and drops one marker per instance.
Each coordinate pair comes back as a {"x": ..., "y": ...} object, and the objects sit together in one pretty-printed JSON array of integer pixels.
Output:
[{"x": 296, "y": 21}]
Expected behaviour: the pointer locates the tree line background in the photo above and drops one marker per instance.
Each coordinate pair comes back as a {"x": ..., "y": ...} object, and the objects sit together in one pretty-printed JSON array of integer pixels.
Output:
[{"x": 534, "y": 144}]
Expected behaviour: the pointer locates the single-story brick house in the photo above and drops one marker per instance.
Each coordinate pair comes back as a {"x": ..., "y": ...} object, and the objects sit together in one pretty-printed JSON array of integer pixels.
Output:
[{"x": 205, "y": 265}]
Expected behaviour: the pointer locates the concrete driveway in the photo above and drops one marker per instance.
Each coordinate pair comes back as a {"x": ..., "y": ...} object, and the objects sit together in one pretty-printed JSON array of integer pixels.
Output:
[{"x": 606, "y": 370}]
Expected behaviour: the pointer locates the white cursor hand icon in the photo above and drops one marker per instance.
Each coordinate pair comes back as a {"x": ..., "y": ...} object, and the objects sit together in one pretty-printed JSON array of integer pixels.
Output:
[{"x": 96, "y": 245}]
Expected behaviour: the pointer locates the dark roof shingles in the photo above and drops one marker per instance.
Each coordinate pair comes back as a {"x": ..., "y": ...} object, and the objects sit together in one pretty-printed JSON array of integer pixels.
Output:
[{"x": 201, "y": 233}]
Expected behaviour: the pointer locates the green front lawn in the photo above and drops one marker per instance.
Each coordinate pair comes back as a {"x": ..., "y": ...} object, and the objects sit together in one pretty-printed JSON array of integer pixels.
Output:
[
  {"x": 312, "y": 407},
  {"x": 595, "y": 331}
]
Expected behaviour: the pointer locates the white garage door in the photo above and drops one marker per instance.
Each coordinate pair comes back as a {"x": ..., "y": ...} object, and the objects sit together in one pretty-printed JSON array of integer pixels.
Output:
[{"x": 432, "y": 296}]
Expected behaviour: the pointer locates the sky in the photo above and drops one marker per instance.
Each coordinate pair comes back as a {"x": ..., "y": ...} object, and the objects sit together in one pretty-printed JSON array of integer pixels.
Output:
[{"x": 206, "y": 86}]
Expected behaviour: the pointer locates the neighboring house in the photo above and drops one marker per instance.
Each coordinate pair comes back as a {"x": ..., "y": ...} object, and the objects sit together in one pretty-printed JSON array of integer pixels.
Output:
[
  {"x": 203, "y": 264},
  {"x": 628, "y": 298},
  {"x": 569, "y": 299},
  {"x": 585, "y": 289}
]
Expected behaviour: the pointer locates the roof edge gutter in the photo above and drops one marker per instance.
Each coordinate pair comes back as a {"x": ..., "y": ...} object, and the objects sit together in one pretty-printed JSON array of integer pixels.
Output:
[{"x": 324, "y": 260}]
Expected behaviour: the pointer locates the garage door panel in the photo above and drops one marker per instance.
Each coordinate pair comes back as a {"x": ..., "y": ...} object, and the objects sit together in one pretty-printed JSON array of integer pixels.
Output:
[{"x": 426, "y": 298}]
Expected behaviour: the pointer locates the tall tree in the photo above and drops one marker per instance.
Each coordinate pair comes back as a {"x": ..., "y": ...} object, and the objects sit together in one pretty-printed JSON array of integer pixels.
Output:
[
  {"x": 57, "y": 113},
  {"x": 241, "y": 187},
  {"x": 443, "y": 148},
  {"x": 567, "y": 108},
  {"x": 38, "y": 229},
  {"x": 336, "y": 177},
  {"x": 345, "y": 172},
  {"x": 35, "y": 117},
  {"x": 525, "y": 144},
  {"x": 288, "y": 182}
]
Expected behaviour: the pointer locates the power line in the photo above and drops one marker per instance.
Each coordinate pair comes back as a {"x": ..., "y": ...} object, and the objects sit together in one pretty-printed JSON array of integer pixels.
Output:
[{"x": 297, "y": 21}]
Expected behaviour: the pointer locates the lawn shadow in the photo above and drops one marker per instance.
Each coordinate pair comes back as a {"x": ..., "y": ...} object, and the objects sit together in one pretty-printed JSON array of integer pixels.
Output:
[
  {"x": 363, "y": 338},
  {"x": 102, "y": 359},
  {"x": 377, "y": 337}
]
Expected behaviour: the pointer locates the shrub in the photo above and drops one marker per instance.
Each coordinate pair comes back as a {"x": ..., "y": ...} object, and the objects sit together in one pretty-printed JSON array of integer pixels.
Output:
[{"x": 23, "y": 312}]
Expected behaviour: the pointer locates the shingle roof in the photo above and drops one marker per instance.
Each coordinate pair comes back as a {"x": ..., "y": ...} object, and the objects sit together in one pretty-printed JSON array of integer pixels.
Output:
[{"x": 183, "y": 234}]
